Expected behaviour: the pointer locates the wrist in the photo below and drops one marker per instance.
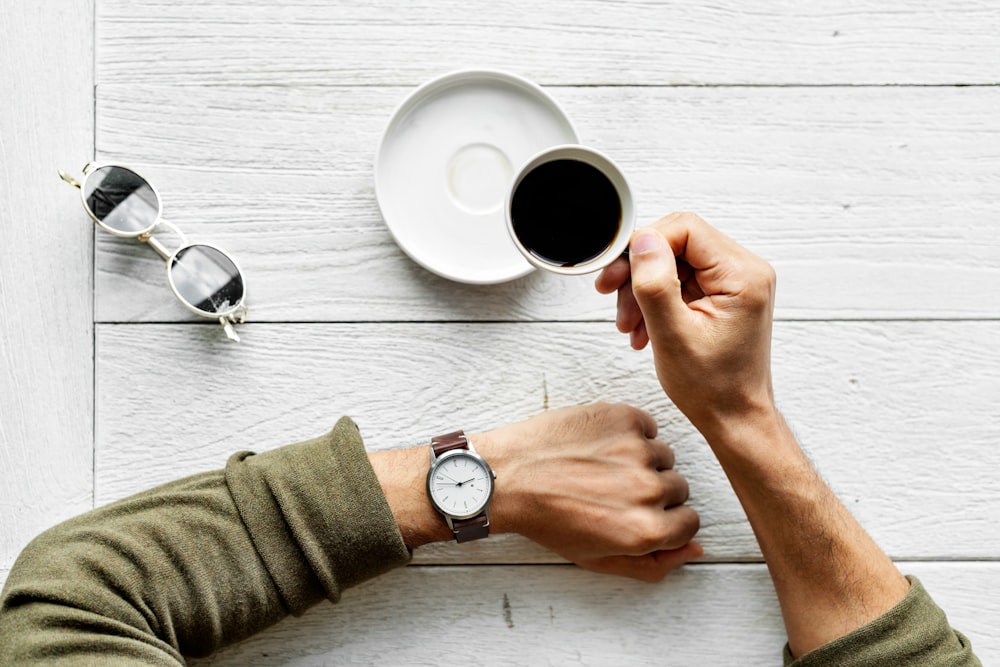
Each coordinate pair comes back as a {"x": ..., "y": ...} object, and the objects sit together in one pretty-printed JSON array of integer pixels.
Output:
[
  {"x": 402, "y": 474},
  {"x": 756, "y": 418},
  {"x": 753, "y": 437},
  {"x": 505, "y": 504}
]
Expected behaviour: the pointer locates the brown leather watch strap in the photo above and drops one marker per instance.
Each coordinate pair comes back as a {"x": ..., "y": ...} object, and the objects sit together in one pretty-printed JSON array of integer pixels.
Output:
[
  {"x": 448, "y": 442},
  {"x": 475, "y": 528}
]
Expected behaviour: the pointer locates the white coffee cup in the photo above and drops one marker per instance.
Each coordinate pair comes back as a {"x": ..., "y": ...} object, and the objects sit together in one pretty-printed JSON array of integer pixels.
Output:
[{"x": 560, "y": 210}]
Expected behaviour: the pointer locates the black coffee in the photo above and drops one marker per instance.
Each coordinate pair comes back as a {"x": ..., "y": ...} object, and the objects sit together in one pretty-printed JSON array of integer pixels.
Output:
[{"x": 565, "y": 212}]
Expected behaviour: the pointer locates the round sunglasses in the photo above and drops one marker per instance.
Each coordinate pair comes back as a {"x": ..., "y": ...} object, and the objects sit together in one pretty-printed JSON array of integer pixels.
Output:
[{"x": 203, "y": 278}]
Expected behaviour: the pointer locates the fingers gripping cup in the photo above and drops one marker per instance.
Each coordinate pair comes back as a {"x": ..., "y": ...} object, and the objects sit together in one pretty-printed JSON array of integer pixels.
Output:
[{"x": 570, "y": 211}]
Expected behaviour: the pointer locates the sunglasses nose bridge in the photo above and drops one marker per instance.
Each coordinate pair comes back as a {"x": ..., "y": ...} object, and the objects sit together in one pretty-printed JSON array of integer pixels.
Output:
[{"x": 156, "y": 245}]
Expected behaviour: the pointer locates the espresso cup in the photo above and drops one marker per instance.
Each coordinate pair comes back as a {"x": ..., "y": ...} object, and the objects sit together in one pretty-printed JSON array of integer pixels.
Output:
[{"x": 569, "y": 210}]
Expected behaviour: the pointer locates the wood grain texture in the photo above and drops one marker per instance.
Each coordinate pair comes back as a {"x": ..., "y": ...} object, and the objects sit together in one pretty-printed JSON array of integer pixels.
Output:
[
  {"x": 591, "y": 42},
  {"x": 46, "y": 255},
  {"x": 899, "y": 417},
  {"x": 870, "y": 202},
  {"x": 558, "y": 615},
  {"x": 836, "y": 139}
]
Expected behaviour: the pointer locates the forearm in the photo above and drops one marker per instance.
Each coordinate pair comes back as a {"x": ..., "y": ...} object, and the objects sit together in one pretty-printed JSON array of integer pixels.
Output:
[
  {"x": 193, "y": 565},
  {"x": 706, "y": 305},
  {"x": 829, "y": 575},
  {"x": 100, "y": 586},
  {"x": 402, "y": 474}
]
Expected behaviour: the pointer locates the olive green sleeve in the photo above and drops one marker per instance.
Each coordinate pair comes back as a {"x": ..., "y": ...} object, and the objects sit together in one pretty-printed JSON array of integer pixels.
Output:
[
  {"x": 914, "y": 632},
  {"x": 190, "y": 566}
]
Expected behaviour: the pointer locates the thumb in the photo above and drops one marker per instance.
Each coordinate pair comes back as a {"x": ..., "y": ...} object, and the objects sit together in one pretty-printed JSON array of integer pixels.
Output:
[{"x": 655, "y": 284}]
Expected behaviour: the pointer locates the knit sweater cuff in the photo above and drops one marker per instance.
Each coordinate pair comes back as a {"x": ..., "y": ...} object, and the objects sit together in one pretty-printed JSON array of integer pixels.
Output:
[
  {"x": 317, "y": 515},
  {"x": 914, "y": 632}
]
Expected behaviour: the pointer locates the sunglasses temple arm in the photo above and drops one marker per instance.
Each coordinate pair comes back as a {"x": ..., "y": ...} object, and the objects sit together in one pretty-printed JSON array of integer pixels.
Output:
[
  {"x": 69, "y": 179},
  {"x": 230, "y": 329}
]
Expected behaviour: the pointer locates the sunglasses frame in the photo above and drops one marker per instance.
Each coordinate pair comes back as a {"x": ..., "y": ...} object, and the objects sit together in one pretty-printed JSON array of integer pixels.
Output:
[{"x": 235, "y": 315}]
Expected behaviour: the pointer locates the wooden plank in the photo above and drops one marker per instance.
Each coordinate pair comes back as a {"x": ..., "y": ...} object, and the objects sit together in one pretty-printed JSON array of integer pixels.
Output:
[
  {"x": 46, "y": 304},
  {"x": 871, "y": 202},
  {"x": 554, "y": 615},
  {"x": 593, "y": 42},
  {"x": 900, "y": 417}
]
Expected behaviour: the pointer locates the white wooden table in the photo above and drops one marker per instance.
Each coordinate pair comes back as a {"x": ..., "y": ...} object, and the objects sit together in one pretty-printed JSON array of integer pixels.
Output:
[{"x": 854, "y": 146}]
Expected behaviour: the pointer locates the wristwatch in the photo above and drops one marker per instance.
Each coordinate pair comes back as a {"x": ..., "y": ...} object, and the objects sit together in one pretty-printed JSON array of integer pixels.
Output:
[{"x": 460, "y": 486}]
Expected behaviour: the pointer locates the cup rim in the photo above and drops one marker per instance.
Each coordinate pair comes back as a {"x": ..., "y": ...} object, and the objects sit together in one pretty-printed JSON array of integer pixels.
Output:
[{"x": 606, "y": 166}]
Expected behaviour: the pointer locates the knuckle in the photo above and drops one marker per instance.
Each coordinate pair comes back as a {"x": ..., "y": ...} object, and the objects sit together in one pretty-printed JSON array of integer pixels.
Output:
[
  {"x": 691, "y": 217},
  {"x": 655, "y": 288},
  {"x": 633, "y": 417},
  {"x": 646, "y": 487},
  {"x": 687, "y": 524},
  {"x": 763, "y": 287},
  {"x": 770, "y": 275},
  {"x": 647, "y": 535},
  {"x": 676, "y": 489},
  {"x": 647, "y": 458},
  {"x": 598, "y": 407},
  {"x": 682, "y": 488},
  {"x": 669, "y": 458},
  {"x": 619, "y": 410},
  {"x": 626, "y": 419}
]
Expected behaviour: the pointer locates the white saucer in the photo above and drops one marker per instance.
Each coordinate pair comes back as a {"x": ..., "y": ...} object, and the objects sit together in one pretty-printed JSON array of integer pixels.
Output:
[{"x": 445, "y": 162}]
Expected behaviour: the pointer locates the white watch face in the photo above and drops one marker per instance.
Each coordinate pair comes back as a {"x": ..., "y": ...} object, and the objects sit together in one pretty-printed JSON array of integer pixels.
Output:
[{"x": 460, "y": 484}]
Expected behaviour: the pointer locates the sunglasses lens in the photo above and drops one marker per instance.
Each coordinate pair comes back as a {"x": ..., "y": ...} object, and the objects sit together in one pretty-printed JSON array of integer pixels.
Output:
[
  {"x": 121, "y": 199},
  {"x": 207, "y": 279}
]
